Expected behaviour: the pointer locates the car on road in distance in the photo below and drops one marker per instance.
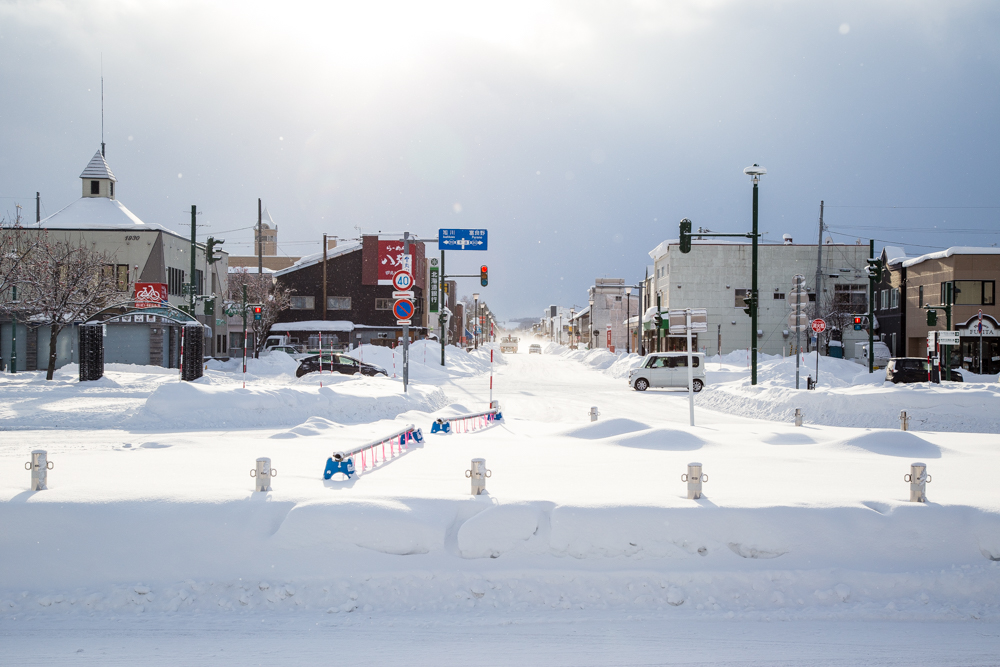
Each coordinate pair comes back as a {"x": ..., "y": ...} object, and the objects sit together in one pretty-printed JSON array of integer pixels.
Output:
[
  {"x": 337, "y": 363},
  {"x": 668, "y": 369},
  {"x": 508, "y": 345},
  {"x": 907, "y": 369},
  {"x": 534, "y": 348},
  {"x": 287, "y": 349}
]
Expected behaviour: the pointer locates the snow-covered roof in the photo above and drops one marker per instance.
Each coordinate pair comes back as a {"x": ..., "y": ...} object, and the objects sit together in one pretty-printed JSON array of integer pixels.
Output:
[
  {"x": 313, "y": 325},
  {"x": 98, "y": 168},
  {"x": 582, "y": 313},
  {"x": 96, "y": 213},
  {"x": 957, "y": 250},
  {"x": 661, "y": 250},
  {"x": 248, "y": 269},
  {"x": 316, "y": 258},
  {"x": 894, "y": 255},
  {"x": 650, "y": 312}
]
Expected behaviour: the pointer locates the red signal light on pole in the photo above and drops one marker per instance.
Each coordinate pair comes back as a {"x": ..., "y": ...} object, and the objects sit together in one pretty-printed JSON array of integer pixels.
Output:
[
  {"x": 258, "y": 312},
  {"x": 857, "y": 323},
  {"x": 483, "y": 276}
]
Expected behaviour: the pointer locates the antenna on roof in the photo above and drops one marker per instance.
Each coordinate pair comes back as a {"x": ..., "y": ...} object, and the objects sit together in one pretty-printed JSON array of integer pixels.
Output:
[{"x": 102, "y": 104}]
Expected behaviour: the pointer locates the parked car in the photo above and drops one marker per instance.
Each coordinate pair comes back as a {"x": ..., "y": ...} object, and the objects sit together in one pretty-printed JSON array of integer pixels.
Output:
[
  {"x": 882, "y": 354},
  {"x": 534, "y": 348},
  {"x": 668, "y": 369},
  {"x": 907, "y": 369},
  {"x": 287, "y": 349},
  {"x": 337, "y": 363}
]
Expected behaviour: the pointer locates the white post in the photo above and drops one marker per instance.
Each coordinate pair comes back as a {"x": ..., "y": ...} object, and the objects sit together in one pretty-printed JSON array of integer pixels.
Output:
[
  {"x": 39, "y": 467},
  {"x": 798, "y": 416},
  {"x": 687, "y": 323},
  {"x": 263, "y": 474},
  {"x": 694, "y": 478},
  {"x": 918, "y": 479},
  {"x": 904, "y": 421},
  {"x": 478, "y": 474},
  {"x": 594, "y": 413}
]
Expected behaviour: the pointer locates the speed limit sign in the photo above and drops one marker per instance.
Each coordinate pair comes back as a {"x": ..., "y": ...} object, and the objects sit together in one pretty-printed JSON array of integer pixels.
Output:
[
  {"x": 818, "y": 325},
  {"x": 402, "y": 280}
]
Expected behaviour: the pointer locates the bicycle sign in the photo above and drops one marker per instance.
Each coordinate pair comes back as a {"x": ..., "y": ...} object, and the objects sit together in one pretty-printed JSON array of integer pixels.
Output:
[{"x": 402, "y": 280}]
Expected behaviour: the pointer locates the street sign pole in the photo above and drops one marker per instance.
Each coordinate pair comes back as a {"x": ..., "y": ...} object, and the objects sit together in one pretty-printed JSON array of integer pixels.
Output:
[
  {"x": 406, "y": 327},
  {"x": 444, "y": 327},
  {"x": 687, "y": 323},
  {"x": 871, "y": 311}
]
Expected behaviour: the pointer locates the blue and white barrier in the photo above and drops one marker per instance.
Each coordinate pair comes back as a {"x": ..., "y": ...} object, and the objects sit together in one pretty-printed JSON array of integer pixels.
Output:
[
  {"x": 346, "y": 462},
  {"x": 473, "y": 421}
]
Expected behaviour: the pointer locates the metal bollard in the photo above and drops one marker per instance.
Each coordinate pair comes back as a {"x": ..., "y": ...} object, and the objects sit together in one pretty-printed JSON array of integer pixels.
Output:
[
  {"x": 39, "y": 465},
  {"x": 594, "y": 414},
  {"x": 694, "y": 479},
  {"x": 798, "y": 416},
  {"x": 263, "y": 474},
  {"x": 904, "y": 420},
  {"x": 478, "y": 474},
  {"x": 918, "y": 479}
]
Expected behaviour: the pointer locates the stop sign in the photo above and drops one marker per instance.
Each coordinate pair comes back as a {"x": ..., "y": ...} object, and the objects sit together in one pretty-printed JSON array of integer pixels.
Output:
[{"x": 818, "y": 325}]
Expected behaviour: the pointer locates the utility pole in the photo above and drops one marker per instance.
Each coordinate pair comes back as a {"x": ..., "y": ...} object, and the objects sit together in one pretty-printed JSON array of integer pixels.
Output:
[
  {"x": 871, "y": 311},
  {"x": 324, "y": 276},
  {"x": 194, "y": 247},
  {"x": 753, "y": 290},
  {"x": 38, "y": 207},
  {"x": 441, "y": 317},
  {"x": 260, "y": 241},
  {"x": 819, "y": 279}
]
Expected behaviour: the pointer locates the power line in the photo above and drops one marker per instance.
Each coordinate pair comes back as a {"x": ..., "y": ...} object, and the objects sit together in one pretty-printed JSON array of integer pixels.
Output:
[
  {"x": 916, "y": 207},
  {"x": 900, "y": 243},
  {"x": 922, "y": 230}
]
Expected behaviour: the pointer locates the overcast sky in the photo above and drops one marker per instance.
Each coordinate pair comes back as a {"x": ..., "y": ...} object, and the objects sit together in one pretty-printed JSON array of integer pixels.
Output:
[{"x": 578, "y": 133}]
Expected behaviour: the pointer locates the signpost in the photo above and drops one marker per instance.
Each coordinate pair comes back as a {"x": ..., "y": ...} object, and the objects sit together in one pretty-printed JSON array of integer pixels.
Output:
[
  {"x": 453, "y": 239},
  {"x": 818, "y": 326},
  {"x": 688, "y": 321},
  {"x": 433, "y": 288}
]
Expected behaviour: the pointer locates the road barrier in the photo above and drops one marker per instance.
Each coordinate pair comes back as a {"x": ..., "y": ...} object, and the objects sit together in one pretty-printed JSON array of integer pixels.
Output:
[
  {"x": 474, "y": 421},
  {"x": 39, "y": 465},
  {"x": 918, "y": 479},
  {"x": 346, "y": 462},
  {"x": 478, "y": 474},
  {"x": 694, "y": 478},
  {"x": 262, "y": 474}
]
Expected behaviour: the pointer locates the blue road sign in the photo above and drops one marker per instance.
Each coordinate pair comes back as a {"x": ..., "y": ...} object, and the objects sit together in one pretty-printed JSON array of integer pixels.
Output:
[
  {"x": 462, "y": 239},
  {"x": 403, "y": 309}
]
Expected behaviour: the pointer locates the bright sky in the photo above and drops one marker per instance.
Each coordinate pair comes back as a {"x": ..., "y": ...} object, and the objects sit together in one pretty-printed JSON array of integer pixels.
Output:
[{"x": 578, "y": 133}]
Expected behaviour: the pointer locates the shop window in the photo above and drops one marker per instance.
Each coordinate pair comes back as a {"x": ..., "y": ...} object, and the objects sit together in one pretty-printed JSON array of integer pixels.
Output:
[
  {"x": 303, "y": 303},
  {"x": 383, "y": 304},
  {"x": 338, "y": 303}
]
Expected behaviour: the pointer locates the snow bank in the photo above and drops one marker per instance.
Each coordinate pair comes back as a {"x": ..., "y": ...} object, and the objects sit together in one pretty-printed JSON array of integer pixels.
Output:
[
  {"x": 425, "y": 360},
  {"x": 348, "y": 400}
]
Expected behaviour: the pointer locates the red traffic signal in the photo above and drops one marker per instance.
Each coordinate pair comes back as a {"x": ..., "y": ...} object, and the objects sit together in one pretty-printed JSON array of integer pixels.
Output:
[
  {"x": 858, "y": 323},
  {"x": 258, "y": 312},
  {"x": 483, "y": 276}
]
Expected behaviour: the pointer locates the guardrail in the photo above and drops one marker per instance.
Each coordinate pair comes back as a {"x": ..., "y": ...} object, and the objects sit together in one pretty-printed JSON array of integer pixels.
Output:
[
  {"x": 472, "y": 421},
  {"x": 346, "y": 462}
]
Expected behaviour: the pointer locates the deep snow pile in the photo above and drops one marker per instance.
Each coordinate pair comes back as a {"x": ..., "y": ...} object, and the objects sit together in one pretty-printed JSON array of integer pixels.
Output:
[
  {"x": 849, "y": 396},
  {"x": 425, "y": 360}
]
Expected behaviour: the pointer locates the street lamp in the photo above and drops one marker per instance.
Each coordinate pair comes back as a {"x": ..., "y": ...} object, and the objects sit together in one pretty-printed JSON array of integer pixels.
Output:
[{"x": 754, "y": 172}]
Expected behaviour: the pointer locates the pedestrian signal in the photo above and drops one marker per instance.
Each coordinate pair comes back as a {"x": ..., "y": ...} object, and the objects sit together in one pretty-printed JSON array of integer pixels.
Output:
[{"x": 258, "y": 312}]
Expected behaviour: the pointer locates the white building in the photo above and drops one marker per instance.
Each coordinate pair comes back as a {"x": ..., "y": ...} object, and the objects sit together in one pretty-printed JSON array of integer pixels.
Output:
[
  {"x": 716, "y": 275},
  {"x": 142, "y": 253},
  {"x": 611, "y": 304}
]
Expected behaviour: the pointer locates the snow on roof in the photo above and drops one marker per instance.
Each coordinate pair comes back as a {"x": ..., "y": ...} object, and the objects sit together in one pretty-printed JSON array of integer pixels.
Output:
[
  {"x": 96, "y": 213},
  {"x": 661, "y": 250},
  {"x": 894, "y": 255},
  {"x": 98, "y": 168},
  {"x": 248, "y": 269},
  {"x": 313, "y": 325},
  {"x": 316, "y": 258},
  {"x": 957, "y": 250},
  {"x": 582, "y": 313}
]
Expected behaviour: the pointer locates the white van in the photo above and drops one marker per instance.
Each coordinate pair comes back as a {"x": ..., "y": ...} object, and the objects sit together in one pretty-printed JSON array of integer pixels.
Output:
[
  {"x": 882, "y": 354},
  {"x": 668, "y": 369}
]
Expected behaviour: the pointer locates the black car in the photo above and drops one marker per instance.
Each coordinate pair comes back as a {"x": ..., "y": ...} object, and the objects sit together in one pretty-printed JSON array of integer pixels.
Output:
[{"x": 337, "y": 363}]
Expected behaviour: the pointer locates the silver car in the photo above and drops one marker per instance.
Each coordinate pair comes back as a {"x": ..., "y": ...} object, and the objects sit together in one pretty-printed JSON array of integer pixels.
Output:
[{"x": 668, "y": 369}]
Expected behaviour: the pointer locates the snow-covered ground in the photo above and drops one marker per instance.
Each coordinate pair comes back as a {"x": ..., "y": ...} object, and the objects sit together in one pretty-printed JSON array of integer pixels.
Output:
[{"x": 151, "y": 544}]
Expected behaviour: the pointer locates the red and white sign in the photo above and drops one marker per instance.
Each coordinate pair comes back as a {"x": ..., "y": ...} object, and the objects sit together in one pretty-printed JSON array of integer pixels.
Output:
[
  {"x": 402, "y": 281},
  {"x": 150, "y": 295},
  {"x": 818, "y": 325},
  {"x": 390, "y": 260},
  {"x": 611, "y": 348}
]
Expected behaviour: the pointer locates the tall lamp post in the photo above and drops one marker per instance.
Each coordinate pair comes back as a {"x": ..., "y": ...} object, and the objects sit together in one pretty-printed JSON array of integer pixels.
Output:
[
  {"x": 475, "y": 320},
  {"x": 754, "y": 172}
]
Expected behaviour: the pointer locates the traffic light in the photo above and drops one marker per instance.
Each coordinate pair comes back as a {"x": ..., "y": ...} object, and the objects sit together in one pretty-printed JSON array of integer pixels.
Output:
[
  {"x": 210, "y": 307},
  {"x": 685, "y": 235},
  {"x": 658, "y": 320},
  {"x": 211, "y": 253},
  {"x": 258, "y": 312},
  {"x": 751, "y": 303},
  {"x": 874, "y": 270},
  {"x": 483, "y": 277},
  {"x": 858, "y": 323},
  {"x": 932, "y": 318}
]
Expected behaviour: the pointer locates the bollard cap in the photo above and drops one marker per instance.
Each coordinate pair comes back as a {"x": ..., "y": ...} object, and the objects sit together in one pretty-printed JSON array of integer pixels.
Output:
[
  {"x": 38, "y": 451},
  {"x": 918, "y": 464},
  {"x": 694, "y": 465},
  {"x": 479, "y": 461}
]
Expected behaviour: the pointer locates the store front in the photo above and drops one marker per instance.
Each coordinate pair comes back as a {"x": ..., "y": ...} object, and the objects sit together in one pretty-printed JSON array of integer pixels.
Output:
[{"x": 980, "y": 345}]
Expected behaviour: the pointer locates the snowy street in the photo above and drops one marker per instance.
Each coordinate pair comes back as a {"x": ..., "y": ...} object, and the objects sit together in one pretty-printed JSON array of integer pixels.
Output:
[{"x": 150, "y": 540}]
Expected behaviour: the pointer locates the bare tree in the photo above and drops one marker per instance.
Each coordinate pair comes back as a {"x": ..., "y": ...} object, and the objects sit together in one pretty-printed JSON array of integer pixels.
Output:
[
  {"x": 65, "y": 283},
  {"x": 17, "y": 246},
  {"x": 262, "y": 290}
]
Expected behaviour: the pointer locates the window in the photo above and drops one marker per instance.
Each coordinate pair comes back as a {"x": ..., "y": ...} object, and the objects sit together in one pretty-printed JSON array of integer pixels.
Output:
[
  {"x": 741, "y": 295},
  {"x": 338, "y": 303},
  {"x": 199, "y": 281},
  {"x": 303, "y": 303},
  {"x": 894, "y": 294},
  {"x": 95, "y": 187},
  {"x": 885, "y": 300},
  {"x": 117, "y": 273},
  {"x": 850, "y": 298},
  {"x": 111, "y": 189},
  {"x": 779, "y": 295},
  {"x": 383, "y": 304},
  {"x": 235, "y": 341},
  {"x": 175, "y": 281},
  {"x": 972, "y": 292}
]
